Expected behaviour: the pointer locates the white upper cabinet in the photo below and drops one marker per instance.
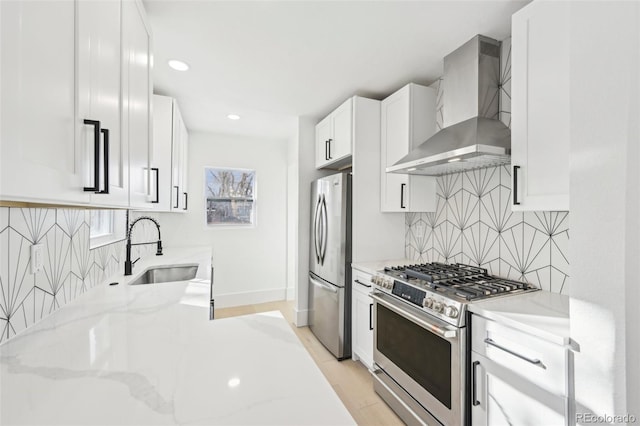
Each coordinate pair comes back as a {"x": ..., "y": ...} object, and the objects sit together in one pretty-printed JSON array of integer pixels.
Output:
[
  {"x": 169, "y": 159},
  {"x": 75, "y": 102},
  {"x": 39, "y": 157},
  {"x": 105, "y": 165},
  {"x": 136, "y": 98},
  {"x": 540, "y": 107},
  {"x": 334, "y": 138},
  {"x": 408, "y": 119}
]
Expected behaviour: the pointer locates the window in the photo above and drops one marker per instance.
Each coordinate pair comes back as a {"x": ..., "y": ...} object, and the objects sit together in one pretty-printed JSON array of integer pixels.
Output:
[
  {"x": 230, "y": 196},
  {"x": 107, "y": 226}
]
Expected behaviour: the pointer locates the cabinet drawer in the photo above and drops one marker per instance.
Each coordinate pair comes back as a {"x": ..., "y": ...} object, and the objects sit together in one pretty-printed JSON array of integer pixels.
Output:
[
  {"x": 543, "y": 363},
  {"x": 361, "y": 281}
]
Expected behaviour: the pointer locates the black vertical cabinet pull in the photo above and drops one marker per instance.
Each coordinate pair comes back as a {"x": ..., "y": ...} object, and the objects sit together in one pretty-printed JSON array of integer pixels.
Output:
[
  {"x": 402, "y": 186},
  {"x": 329, "y": 143},
  {"x": 186, "y": 199},
  {"x": 177, "y": 197},
  {"x": 474, "y": 395},
  {"x": 515, "y": 185},
  {"x": 105, "y": 133},
  {"x": 370, "y": 316},
  {"x": 96, "y": 155},
  {"x": 155, "y": 169},
  {"x": 326, "y": 149}
]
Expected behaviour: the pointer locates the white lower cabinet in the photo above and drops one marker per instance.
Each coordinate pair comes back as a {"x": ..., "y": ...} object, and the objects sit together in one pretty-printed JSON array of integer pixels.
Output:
[
  {"x": 361, "y": 318},
  {"x": 517, "y": 378}
]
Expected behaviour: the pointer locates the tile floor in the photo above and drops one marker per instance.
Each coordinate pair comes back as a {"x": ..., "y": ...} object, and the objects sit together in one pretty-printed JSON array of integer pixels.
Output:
[{"x": 350, "y": 379}]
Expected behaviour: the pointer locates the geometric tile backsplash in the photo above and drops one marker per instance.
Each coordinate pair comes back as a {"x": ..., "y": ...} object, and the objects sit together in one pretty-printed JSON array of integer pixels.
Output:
[
  {"x": 474, "y": 224},
  {"x": 70, "y": 266}
]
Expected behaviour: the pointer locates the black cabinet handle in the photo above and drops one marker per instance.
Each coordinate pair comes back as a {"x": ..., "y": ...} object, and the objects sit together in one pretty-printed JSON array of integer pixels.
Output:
[
  {"x": 329, "y": 141},
  {"x": 402, "y": 186},
  {"x": 361, "y": 283},
  {"x": 155, "y": 169},
  {"x": 177, "y": 197},
  {"x": 370, "y": 316},
  {"x": 96, "y": 155},
  {"x": 326, "y": 150},
  {"x": 515, "y": 185},
  {"x": 474, "y": 397},
  {"x": 105, "y": 133},
  {"x": 186, "y": 199}
]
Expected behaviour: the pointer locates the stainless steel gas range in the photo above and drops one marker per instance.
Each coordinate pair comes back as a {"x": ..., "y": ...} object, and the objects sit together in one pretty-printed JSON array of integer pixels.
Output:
[{"x": 420, "y": 338}]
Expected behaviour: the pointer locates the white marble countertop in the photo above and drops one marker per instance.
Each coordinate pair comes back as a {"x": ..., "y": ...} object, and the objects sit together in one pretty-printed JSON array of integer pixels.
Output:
[
  {"x": 540, "y": 313},
  {"x": 373, "y": 267},
  {"x": 148, "y": 355}
]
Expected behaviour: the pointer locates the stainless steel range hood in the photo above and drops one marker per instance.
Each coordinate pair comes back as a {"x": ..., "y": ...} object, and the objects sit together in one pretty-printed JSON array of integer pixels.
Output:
[{"x": 473, "y": 136}]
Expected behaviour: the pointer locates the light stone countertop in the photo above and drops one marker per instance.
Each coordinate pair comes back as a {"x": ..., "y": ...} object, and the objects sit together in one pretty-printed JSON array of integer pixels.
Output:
[
  {"x": 148, "y": 355},
  {"x": 540, "y": 313}
]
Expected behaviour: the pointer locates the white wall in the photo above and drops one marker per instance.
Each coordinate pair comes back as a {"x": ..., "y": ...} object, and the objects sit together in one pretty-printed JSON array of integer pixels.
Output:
[
  {"x": 249, "y": 262},
  {"x": 605, "y": 204}
]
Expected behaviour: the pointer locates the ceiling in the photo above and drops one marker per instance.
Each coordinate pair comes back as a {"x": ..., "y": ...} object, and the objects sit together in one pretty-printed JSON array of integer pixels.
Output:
[{"x": 272, "y": 61}]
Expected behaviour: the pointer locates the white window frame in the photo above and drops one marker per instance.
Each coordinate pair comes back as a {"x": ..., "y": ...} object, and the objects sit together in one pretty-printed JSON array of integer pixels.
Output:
[{"x": 116, "y": 229}]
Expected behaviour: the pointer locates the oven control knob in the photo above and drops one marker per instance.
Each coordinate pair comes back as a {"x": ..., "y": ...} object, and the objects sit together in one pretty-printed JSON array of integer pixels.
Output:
[
  {"x": 428, "y": 302},
  {"x": 438, "y": 307},
  {"x": 374, "y": 279},
  {"x": 388, "y": 283},
  {"x": 451, "y": 311}
]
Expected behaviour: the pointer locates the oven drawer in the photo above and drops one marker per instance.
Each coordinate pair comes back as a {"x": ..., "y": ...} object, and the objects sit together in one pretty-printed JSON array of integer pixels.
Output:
[{"x": 540, "y": 362}]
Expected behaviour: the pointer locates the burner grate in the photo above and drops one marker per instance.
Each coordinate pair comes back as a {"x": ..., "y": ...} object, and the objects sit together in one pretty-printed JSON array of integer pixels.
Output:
[{"x": 459, "y": 280}]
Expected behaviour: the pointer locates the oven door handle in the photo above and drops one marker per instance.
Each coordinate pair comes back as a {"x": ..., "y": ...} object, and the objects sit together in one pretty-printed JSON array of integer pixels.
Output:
[{"x": 447, "y": 334}]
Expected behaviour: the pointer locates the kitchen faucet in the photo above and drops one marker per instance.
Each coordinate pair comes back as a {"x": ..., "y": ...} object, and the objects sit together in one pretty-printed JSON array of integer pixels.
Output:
[{"x": 128, "y": 264}]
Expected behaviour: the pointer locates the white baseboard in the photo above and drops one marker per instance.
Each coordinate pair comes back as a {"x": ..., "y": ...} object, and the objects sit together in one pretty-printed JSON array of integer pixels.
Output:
[
  {"x": 291, "y": 293},
  {"x": 249, "y": 297},
  {"x": 302, "y": 317}
]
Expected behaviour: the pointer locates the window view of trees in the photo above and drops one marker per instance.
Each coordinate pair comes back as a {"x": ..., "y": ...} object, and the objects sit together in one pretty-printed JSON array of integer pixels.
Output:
[{"x": 230, "y": 196}]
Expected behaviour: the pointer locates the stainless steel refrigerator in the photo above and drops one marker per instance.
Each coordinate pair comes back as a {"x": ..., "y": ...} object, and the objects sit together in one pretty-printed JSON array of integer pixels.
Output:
[{"x": 330, "y": 263}]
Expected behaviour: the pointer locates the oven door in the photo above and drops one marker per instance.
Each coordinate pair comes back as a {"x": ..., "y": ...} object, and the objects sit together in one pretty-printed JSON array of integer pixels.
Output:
[{"x": 423, "y": 355}]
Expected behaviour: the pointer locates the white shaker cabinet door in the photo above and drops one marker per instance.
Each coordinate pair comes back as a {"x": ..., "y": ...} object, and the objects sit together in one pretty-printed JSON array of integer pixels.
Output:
[
  {"x": 501, "y": 398},
  {"x": 341, "y": 144},
  {"x": 136, "y": 97},
  {"x": 540, "y": 107},
  {"x": 99, "y": 89},
  {"x": 38, "y": 152}
]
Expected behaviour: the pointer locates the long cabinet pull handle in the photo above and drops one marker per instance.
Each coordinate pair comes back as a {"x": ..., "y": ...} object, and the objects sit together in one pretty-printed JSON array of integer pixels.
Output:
[
  {"x": 155, "y": 169},
  {"x": 330, "y": 149},
  {"x": 96, "y": 155},
  {"x": 186, "y": 200},
  {"x": 535, "y": 362},
  {"x": 361, "y": 283},
  {"x": 402, "y": 187},
  {"x": 326, "y": 149},
  {"x": 515, "y": 185},
  {"x": 370, "y": 316},
  {"x": 105, "y": 159},
  {"x": 177, "y": 197},
  {"x": 474, "y": 386}
]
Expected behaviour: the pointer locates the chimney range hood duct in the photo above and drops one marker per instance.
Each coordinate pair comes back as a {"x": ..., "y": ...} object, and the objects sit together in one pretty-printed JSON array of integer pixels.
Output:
[{"x": 473, "y": 136}]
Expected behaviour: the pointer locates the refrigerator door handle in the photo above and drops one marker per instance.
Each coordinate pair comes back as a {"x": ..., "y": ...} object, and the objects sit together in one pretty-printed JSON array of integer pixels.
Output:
[
  {"x": 316, "y": 231},
  {"x": 322, "y": 285},
  {"x": 325, "y": 228}
]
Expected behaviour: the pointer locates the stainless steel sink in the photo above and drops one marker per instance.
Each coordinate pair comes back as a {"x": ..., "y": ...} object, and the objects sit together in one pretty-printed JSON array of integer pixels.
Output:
[{"x": 163, "y": 274}]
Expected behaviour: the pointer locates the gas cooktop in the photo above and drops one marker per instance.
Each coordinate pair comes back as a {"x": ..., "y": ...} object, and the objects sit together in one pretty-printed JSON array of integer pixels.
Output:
[{"x": 444, "y": 290}]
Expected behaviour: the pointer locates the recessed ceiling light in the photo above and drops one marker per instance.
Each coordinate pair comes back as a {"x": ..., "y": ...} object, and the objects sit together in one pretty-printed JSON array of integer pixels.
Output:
[
  {"x": 178, "y": 65},
  {"x": 233, "y": 382},
  {"x": 454, "y": 160},
  {"x": 233, "y": 117}
]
